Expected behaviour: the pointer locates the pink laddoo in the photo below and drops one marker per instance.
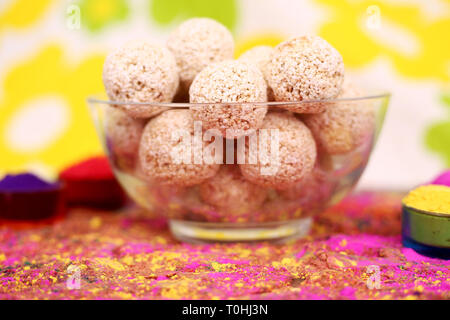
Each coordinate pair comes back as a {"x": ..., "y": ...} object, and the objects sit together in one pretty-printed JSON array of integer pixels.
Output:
[
  {"x": 229, "y": 82},
  {"x": 123, "y": 135},
  {"x": 305, "y": 68},
  {"x": 345, "y": 124},
  {"x": 163, "y": 151},
  {"x": 196, "y": 43},
  {"x": 230, "y": 193},
  {"x": 260, "y": 55},
  {"x": 140, "y": 73},
  {"x": 295, "y": 158}
]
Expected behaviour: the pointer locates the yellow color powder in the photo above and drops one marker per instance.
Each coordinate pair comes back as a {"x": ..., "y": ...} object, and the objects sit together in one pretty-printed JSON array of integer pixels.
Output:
[{"x": 433, "y": 198}]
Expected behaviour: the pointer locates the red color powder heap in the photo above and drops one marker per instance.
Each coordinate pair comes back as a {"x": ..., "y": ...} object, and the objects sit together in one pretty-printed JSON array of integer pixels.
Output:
[{"x": 92, "y": 183}]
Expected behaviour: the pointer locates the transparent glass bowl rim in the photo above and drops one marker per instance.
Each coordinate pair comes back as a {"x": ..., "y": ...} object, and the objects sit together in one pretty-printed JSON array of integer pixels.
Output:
[{"x": 94, "y": 99}]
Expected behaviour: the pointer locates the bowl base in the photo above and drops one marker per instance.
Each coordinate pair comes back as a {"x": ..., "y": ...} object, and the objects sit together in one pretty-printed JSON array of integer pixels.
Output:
[{"x": 207, "y": 232}]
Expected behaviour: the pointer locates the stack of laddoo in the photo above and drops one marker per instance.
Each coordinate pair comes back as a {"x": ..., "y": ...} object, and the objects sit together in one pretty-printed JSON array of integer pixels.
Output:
[{"x": 284, "y": 95}]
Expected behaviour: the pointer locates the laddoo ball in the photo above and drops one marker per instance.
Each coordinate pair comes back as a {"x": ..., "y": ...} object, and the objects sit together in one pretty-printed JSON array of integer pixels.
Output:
[
  {"x": 196, "y": 43},
  {"x": 229, "y": 82},
  {"x": 123, "y": 135},
  {"x": 313, "y": 192},
  {"x": 283, "y": 164},
  {"x": 260, "y": 55},
  {"x": 345, "y": 124},
  {"x": 140, "y": 72},
  {"x": 167, "y": 151},
  {"x": 305, "y": 68},
  {"x": 229, "y": 192}
]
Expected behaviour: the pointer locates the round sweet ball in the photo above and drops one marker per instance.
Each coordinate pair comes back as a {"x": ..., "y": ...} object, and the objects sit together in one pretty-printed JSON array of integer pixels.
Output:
[
  {"x": 229, "y": 81},
  {"x": 196, "y": 43},
  {"x": 344, "y": 125},
  {"x": 123, "y": 135},
  {"x": 260, "y": 55},
  {"x": 168, "y": 153},
  {"x": 305, "y": 68},
  {"x": 230, "y": 193},
  {"x": 140, "y": 72},
  {"x": 313, "y": 191},
  {"x": 281, "y": 164}
]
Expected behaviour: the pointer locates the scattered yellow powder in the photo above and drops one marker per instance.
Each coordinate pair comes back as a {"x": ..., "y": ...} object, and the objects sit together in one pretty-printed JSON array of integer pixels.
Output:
[
  {"x": 433, "y": 198},
  {"x": 95, "y": 222}
]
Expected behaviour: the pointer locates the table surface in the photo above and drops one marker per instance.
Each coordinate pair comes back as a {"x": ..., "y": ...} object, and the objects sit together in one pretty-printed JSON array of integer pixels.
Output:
[{"x": 125, "y": 255}]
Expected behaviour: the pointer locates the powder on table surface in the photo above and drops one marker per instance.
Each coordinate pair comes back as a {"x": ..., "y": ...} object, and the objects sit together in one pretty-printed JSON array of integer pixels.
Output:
[
  {"x": 433, "y": 198},
  {"x": 129, "y": 256},
  {"x": 443, "y": 179},
  {"x": 96, "y": 168},
  {"x": 25, "y": 182}
]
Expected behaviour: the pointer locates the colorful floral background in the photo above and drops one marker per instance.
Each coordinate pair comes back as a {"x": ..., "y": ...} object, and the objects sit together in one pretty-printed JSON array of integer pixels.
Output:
[{"x": 51, "y": 55}]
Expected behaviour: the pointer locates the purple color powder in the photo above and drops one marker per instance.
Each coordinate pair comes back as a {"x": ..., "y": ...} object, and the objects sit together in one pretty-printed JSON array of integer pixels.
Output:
[
  {"x": 25, "y": 182},
  {"x": 443, "y": 179}
]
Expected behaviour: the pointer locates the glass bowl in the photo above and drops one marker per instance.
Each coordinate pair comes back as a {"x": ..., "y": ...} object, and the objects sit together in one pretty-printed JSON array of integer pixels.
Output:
[{"x": 225, "y": 206}]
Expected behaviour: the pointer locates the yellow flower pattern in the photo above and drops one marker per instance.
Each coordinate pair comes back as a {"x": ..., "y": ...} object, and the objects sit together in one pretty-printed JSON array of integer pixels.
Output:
[
  {"x": 23, "y": 13},
  {"x": 48, "y": 73},
  {"x": 349, "y": 30},
  {"x": 260, "y": 39}
]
